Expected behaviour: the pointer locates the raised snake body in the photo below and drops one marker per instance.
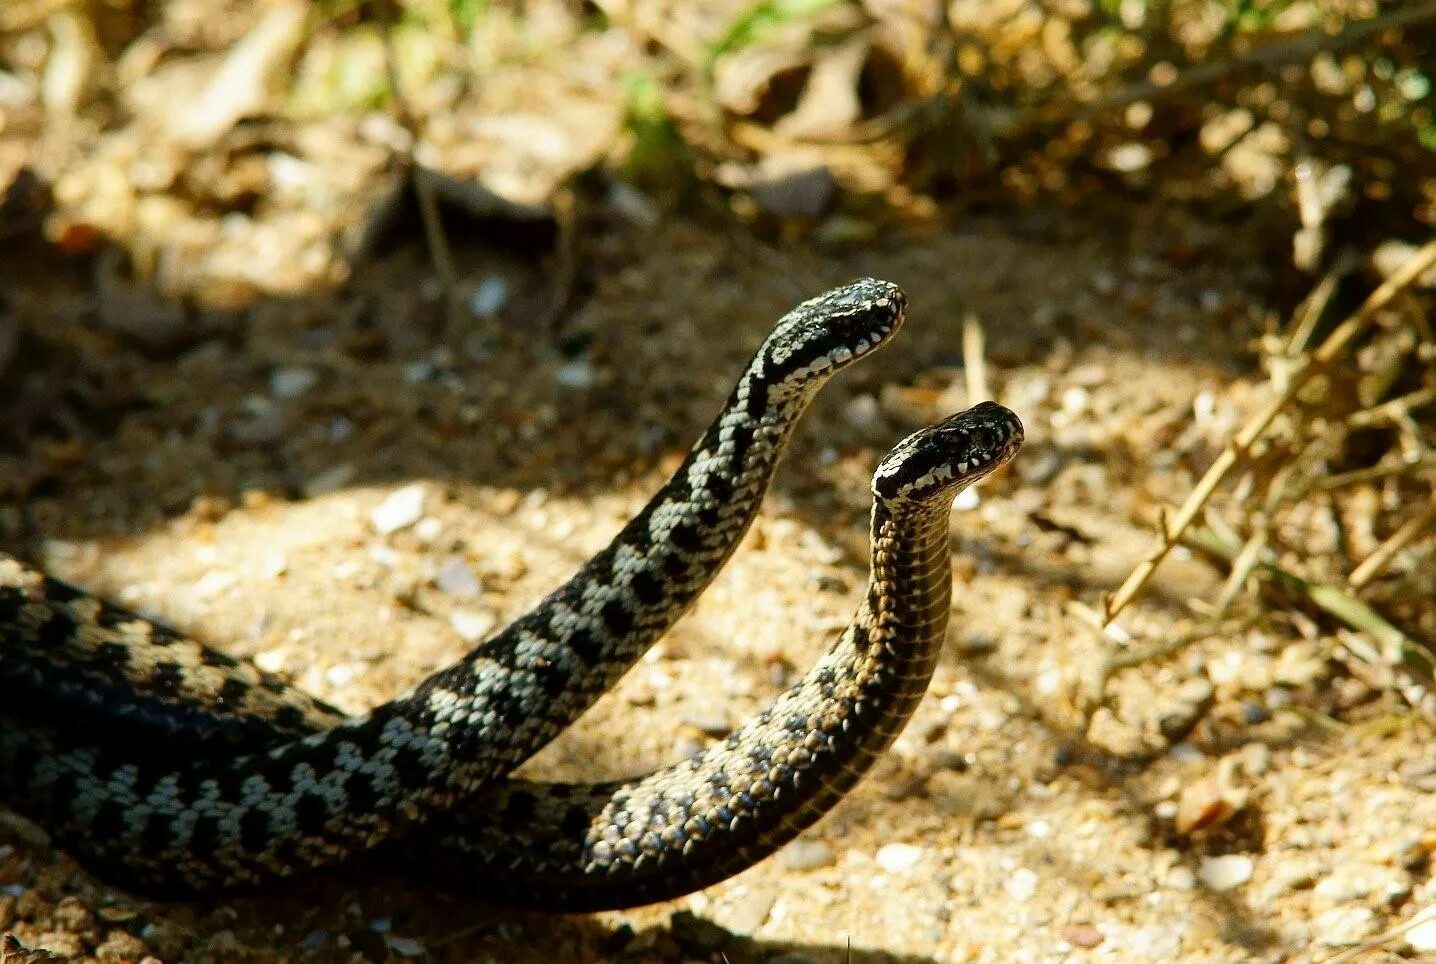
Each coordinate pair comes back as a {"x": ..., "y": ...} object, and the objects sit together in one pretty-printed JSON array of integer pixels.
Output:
[{"x": 219, "y": 819}]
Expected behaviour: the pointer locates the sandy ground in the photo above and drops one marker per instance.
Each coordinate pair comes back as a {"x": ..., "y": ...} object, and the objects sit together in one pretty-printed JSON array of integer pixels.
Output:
[{"x": 230, "y": 485}]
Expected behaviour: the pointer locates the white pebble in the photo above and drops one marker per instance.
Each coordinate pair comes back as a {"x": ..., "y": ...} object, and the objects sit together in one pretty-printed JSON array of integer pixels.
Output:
[
  {"x": 456, "y": 579},
  {"x": 1226, "y": 872},
  {"x": 271, "y": 660},
  {"x": 1182, "y": 878},
  {"x": 341, "y": 674},
  {"x": 428, "y": 529},
  {"x": 1075, "y": 399},
  {"x": 1021, "y": 885},
  {"x": 577, "y": 375},
  {"x": 862, "y": 412},
  {"x": 1038, "y": 829},
  {"x": 895, "y": 857},
  {"x": 274, "y": 565},
  {"x": 490, "y": 297},
  {"x": 405, "y": 946},
  {"x": 807, "y": 855},
  {"x": 211, "y": 584},
  {"x": 1422, "y": 937},
  {"x": 471, "y": 625},
  {"x": 967, "y": 500},
  {"x": 291, "y": 382},
  {"x": 399, "y": 510}
]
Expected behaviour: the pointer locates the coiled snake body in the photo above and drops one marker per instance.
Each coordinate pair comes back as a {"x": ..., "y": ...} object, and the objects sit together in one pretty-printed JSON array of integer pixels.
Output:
[
  {"x": 573, "y": 847},
  {"x": 224, "y": 819}
]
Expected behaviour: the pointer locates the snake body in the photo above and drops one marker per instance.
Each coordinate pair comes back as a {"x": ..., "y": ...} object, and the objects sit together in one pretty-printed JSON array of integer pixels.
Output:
[
  {"x": 216, "y": 820},
  {"x": 577, "y": 847}
]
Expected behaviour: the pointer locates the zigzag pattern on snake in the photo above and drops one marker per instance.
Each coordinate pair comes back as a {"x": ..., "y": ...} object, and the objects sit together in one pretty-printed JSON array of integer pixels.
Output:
[
  {"x": 585, "y": 847},
  {"x": 219, "y": 820}
]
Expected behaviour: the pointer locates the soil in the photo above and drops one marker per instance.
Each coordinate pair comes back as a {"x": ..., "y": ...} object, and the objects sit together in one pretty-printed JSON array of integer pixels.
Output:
[{"x": 228, "y": 485}]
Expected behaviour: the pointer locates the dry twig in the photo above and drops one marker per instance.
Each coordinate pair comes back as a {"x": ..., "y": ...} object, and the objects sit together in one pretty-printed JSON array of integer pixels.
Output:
[{"x": 1235, "y": 452}]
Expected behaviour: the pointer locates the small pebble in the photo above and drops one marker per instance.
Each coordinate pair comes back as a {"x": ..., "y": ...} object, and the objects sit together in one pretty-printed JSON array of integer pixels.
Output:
[
  {"x": 1021, "y": 885},
  {"x": 341, "y": 674},
  {"x": 399, "y": 510},
  {"x": 428, "y": 529},
  {"x": 895, "y": 857},
  {"x": 406, "y": 946},
  {"x": 578, "y": 375},
  {"x": 489, "y": 297},
  {"x": 292, "y": 381},
  {"x": 271, "y": 660},
  {"x": 1181, "y": 878},
  {"x": 456, "y": 578},
  {"x": 1344, "y": 926},
  {"x": 1084, "y": 936},
  {"x": 862, "y": 412},
  {"x": 1226, "y": 872},
  {"x": 1422, "y": 937},
  {"x": 471, "y": 625},
  {"x": 807, "y": 855}
]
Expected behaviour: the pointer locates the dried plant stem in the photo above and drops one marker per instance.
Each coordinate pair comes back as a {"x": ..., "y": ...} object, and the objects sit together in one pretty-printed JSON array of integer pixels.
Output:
[
  {"x": 1392, "y": 410},
  {"x": 974, "y": 364},
  {"x": 1384, "y": 938},
  {"x": 1335, "y": 344},
  {"x": 1395, "y": 646},
  {"x": 1372, "y": 565},
  {"x": 1374, "y": 473}
]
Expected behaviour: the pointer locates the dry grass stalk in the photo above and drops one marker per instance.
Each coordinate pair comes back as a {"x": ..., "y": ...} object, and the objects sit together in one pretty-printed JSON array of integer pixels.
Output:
[{"x": 1236, "y": 450}]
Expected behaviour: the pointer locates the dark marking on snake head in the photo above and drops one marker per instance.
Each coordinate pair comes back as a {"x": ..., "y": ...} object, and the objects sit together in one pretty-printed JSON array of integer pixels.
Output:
[{"x": 575, "y": 821}]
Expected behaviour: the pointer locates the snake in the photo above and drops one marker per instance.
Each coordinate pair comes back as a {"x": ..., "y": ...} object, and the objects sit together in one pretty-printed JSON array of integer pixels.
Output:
[
  {"x": 190, "y": 823},
  {"x": 572, "y": 847}
]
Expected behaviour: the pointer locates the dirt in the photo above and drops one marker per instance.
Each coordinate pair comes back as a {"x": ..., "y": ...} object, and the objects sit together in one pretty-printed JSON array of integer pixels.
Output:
[{"x": 213, "y": 486}]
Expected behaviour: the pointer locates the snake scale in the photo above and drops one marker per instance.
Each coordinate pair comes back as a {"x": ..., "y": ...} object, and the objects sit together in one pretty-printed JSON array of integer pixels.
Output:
[
  {"x": 215, "y": 820},
  {"x": 563, "y": 847}
]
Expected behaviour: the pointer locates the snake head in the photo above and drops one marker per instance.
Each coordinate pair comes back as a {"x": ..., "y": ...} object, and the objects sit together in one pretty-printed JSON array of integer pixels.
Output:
[
  {"x": 945, "y": 458},
  {"x": 829, "y": 332}
]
